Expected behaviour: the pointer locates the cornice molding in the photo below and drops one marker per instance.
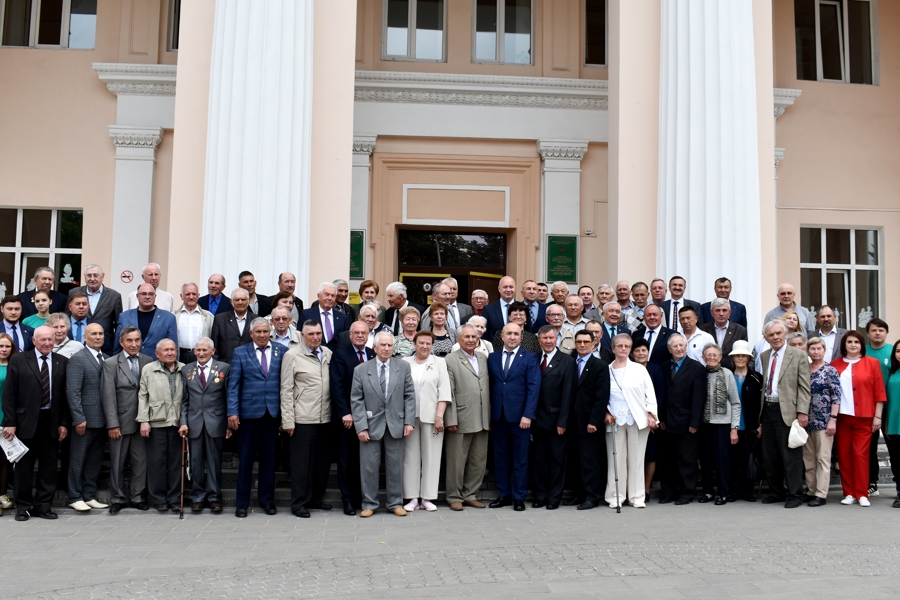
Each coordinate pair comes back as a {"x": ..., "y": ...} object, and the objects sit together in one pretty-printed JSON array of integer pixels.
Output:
[
  {"x": 779, "y": 156},
  {"x": 784, "y": 97},
  {"x": 143, "y": 138},
  {"x": 363, "y": 145},
  {"x": 137, "y": 79},
  {"x": 562, "y": 149},
  {"x": 480, "y": 90}
]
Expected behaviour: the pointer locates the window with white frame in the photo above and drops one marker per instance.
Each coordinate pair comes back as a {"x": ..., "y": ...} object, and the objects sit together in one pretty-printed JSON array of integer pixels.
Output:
[
  {"x": 414, "y": 30},
  {"x": 595, "y": 33},
  {"x": 841, "y": 268},
  {"x": 48, "y": 23},
  {"x": 37, "y": 237},
  {"x": 837, "y": 40},
  {"x": 502, "y": 31}
]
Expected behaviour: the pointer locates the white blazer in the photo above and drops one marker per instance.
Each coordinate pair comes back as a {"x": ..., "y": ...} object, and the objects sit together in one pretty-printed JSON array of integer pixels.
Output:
[
  {"x": 432, "y": 385},
  {"x": 637, "y": 387}
]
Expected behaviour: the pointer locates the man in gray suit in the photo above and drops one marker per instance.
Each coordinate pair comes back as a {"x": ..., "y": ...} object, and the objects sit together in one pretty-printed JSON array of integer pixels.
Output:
[
  {"x": 105, "y": 304},
  {"x": 832, "y": 335},
  {"x": 383, "y": 404},
  {"x": 468, "y": 421},
  {"x": 204, "y": 422},
  {"x": 89, "y": 441},
  {"x": 120, "y": 382}
]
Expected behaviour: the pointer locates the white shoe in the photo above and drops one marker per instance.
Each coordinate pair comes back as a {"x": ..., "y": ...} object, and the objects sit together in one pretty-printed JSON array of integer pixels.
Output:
[
  {"x": 96, "y": 504},
  {"x": 80, "y": 506},
  {"x": 5, "y": 502},
  {"x": 428, "y": 505},
  {"x": 413, "y": 505},
  {"x": 848, "y": 500},
  {"x": 863, "y": 501}
]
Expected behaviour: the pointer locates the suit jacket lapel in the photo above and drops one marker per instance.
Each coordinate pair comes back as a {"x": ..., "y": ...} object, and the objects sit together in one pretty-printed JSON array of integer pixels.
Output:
[
  {"x": 466, "y": 363},
  {"x": 395, "y": 375}
]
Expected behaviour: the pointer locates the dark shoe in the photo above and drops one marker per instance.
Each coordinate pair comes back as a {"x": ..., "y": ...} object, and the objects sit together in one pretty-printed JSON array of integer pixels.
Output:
[
  {"x": 140, "y": 505},
  {"x": 772, "y": 500},
  {"x": 896, "y": 503},
  {"x": 749, "y": 498},
  {"x": 705, "y": 498},
  {"x": 792, "y": 503},
  {"x": 720, "y": 501},
  {"x": 518, "y": 505},
  {"x": 197, "y": 507},
  {"x": 115, "y": 507},
  {"x": 730, "y": 499},
  {"x": 665, "y": 500},
  {"x": 806, "y": 498},
  {"x": 349, "y": 510},
  {"x": 215, "y": 507},
  {"x": 588, "y": 505},
  {"x": 270, "y": 509},
  {"x": 501, "y": 502},
  {"x": 552, "y": 505},
  {"x": 538, "y": 504},
  {"x": 162, "y": 508},
  {"x": 175, "y": 508},
  {"x": 319, "y": 506},
  {"x": 48, "y": 514},
  {"x": 816, "y": 501},
  {"x": 683, "y": 501},
  {"x": 240, "y": 513},
  {"x": 22, "y": 515},
  {"x": 301, "y": 513},
  {"x": 575, "y": 501}
]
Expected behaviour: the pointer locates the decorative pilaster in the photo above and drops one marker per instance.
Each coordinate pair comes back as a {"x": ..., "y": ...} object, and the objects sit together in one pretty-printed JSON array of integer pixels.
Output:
[
  {"x": 709, "y": 194},
  {"x": 256, "y": 205},
  {"x": 132, "y": 199},
  {"x": 363, "y": 146},
  {"x": 560, "y": 190}
]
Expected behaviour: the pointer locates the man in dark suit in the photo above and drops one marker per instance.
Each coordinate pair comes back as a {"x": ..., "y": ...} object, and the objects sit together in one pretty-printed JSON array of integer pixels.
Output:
[
  {"x": 257, "y": 303},
  {"x": 254, "y": 403},
  {"x": 204, "y": 422},
  {"x": 120, "y": 383},
  {"x": 35, "y": 409},
  {"x": 105, "y": 304},
  {"x": 725, "y": 331},
  {"x": 671, "y": 307},
  {"x": 558, "y": 376},
  {"x": 515, "y": 388},
  {"x": 232, "y": 329},
  {"x": 723, "y": 290},
  {"x": 680, "y": 417},
  {"x": 78, "y": 309},
  {"x": 44, "y": 278},
  {"x": 656, "y": 334},
  {"x": 591, "y": 400},
  {"x": 11, "y": 307},
  {"x": 155, "y": 324},
  {"x": 396, "y": 297},
  {"x": 496, "y": 312},
  {"x": 89, "y": 439},
  {"x": 537, "y": 311},
  {"x": 612, "y": 324},
  {"x": 831, "y": 335},
  {"x": 287, "y": 282},
  {"x": 333, "y": 321},
  {"x": 343, "y": 362},
  {"x": 215, "y": 301}
]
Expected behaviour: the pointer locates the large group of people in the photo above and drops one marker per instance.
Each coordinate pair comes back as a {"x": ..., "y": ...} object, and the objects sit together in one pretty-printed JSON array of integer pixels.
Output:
[{"x": 599, "y": 392}]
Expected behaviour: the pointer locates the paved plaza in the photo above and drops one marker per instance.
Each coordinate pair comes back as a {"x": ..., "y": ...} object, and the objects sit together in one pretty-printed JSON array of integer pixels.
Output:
[{"x": 739, "y": 550}]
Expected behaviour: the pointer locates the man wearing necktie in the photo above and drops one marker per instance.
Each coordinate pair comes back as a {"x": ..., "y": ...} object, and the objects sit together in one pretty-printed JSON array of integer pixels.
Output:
[
  {"x": 204, "y": 423},
  {"x": 515, "y": 388},
  {"x": 35, "y": 410},
  {"x": 79, "y": 307},
  {"x": 119, "y": 398},
  {"x": 11, "y": 307},
  {"x": 89, "y": 439},
  {"x": 333, "y": 322},
  {"x": 497, "y": 312}
]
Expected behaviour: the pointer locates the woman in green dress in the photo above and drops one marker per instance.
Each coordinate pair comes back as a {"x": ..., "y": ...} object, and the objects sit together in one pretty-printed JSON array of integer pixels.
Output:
[{"x": 41, "y": 301}]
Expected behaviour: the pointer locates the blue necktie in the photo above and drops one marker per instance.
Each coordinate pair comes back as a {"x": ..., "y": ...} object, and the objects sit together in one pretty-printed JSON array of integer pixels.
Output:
[
  {"x": 580, "y": 365},
  {"x": 506, "y": 362}
]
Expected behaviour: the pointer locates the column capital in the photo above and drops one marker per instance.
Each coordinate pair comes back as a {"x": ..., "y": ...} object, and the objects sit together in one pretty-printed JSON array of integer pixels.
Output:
[
  {"x": 141, "y": 138},
  {"x": 137, "y": 79},
  {"x": 784, "y": 97},
  {"x": 562, "y": 149},
  {"x": 363, "y": 144}
]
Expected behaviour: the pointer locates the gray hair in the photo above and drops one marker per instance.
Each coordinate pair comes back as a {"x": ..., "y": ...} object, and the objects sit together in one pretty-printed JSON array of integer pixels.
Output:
[
  {"x": 184, "y": 285},
  {"x": 573, "y": 296},
  {"x": 397, "y": 287},
  {"x": 327, "y": 284},
  {"x": 794, "y": 335},
  {"x": 619, "y": 337},
  {"x": 281, "y": 308},
  {"x": 557, "y": 284},
  {"x": 369, "y": 307},
  {"x": 774, "y": 323},
  {"x": 94, "y": 266},
  {"x": 241, "y": 291},
  {"x": 205, "y": 341},
  {"x": 675, "y": 337},
  {"x": 814, "y": 341},
  {"x": 476, "y": 319},
  {"x": 610, "y": 304},
  {"x": 382, "y": 334},
  {"x": 60, "y": 317},
  {"x": 160, "y": 343},
  {"x": 449, "y": 279},
  {"x": 40, "y": 270},
  {"x": 459, "y": 330},
  {"x": 711, "y": 345},
  {"x": 257, "y": 322},
  {"x": 603, "y": 286},
  {"x": 720, "y": 302},
  {"x": 144, "y": 270},
  {"x": 480, "y": 292},
  {"x": 340, "y": 282}
]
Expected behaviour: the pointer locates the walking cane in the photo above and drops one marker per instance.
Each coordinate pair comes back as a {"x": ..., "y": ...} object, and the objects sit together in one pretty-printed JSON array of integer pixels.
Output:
[
  {"x": 616, "y": 468},
  {"x": 181, "y": 497}
]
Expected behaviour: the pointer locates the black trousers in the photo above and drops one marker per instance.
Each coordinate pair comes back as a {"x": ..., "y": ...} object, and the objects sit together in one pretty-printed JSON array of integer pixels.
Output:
[
  {"x": 43, "y": 449},
  {"x": 549, "y": 464},
  {"x": 310, "y": 463},
  {"x": 347, "y": 447},
  {"x": 740, "y": 485},
  {"x": 782, "y": 464},
  {"x": 164, "y": 465},
  {"x": 206, "y": 467},
  {"x": 874, "y": 467},
  {"x": 893, "y": 446},
  {"x": 680, "y": 452},
  {"x": 592, "y": 460},
  {"x": 256, "y": 437},
  {"x": 715, "y": 458}
]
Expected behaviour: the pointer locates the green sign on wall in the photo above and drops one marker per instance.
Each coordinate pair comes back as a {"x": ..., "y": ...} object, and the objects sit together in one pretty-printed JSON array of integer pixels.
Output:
[
  {"x": 562, "y": 258},
  {"x": 357, "y": 253}
]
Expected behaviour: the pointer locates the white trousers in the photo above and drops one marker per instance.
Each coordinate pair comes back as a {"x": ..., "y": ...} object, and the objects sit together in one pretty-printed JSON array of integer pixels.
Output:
[
  {"x": 422, "y": 462},
  {"x": 631, "y": 446}
]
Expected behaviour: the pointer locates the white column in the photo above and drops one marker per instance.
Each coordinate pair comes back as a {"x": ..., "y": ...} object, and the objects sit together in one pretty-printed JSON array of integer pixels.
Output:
[
  {"x": 363, "y": 146},
  {"x": 560, "y": 192},
  {"x": 709, "y": 207},
  {"x": 132, "y": 201},
  {"x": 256, "y": 202}
]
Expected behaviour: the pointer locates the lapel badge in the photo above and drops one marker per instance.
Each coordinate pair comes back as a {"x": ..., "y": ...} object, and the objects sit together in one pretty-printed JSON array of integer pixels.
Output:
[{"x": 216, "y": 380}]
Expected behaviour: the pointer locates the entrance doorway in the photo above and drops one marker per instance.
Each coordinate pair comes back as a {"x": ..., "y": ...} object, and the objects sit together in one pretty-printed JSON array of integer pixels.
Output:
[{"x": 477, "y": 260}]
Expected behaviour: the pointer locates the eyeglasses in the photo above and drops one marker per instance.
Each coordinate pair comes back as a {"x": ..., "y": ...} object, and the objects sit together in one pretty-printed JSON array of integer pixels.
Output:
[{"x": 581, "y": 343}]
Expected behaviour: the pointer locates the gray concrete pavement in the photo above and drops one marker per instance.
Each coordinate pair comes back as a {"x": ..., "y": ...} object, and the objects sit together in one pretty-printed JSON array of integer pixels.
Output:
[{"x": 740, "y": 550}]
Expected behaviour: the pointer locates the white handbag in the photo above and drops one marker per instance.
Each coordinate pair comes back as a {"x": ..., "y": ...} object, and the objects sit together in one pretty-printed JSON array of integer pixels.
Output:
[{"x": 798, "y": 435}]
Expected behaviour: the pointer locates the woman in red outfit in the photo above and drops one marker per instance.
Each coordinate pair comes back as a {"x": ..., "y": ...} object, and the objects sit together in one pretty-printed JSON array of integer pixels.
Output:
[{"x": 862, "y": 400}]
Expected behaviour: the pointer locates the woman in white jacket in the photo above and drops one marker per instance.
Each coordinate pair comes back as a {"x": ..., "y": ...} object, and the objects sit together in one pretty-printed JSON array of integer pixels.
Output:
[
  {"x": 422, "y": 449},
  {"x": 631, "y": 415}
]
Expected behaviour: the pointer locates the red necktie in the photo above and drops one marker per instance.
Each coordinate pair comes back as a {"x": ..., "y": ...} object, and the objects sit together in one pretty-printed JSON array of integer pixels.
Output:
[
  {"x": 544, "y": 364},
  {"x": 771, "y": 374},
  {"x": 361, "y": 359},
  {"x": 203, "y": 377}
]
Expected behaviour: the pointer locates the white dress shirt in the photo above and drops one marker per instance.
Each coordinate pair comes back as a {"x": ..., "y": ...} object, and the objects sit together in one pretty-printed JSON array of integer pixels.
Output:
[
  {"x": 695, "y": 344},
  {"x": 164, "y": 300},
  {"x": 190, "y": 327},
  {"x": 268, "y": 351},
  {"x": 387, "y": 372},
  {"x": 40, "y": 363},
  {"x": 511, "y": 358},
  {"x": 775, "y": 373},
  {"x": 94, "y": 299}
]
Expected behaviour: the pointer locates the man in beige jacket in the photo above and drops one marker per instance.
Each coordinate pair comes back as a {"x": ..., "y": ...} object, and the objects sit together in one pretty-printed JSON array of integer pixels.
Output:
[
  {"x": 306, "y": 418},
  {"x": 467, "y": 421}
]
